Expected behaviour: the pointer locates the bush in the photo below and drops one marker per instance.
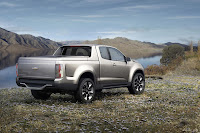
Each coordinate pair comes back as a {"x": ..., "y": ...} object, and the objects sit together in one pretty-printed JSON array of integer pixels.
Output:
[
  {"x": 171, "y": 53},
  {"x": 175, "y": 63},
  {"x": 161, "y": 69},
  {"x": 156, "y": 70},
  {"x": 190, "y": 66}
]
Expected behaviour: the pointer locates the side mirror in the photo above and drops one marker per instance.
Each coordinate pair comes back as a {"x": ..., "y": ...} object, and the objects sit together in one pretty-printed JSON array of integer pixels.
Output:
[{"x": 128, "y": 59}]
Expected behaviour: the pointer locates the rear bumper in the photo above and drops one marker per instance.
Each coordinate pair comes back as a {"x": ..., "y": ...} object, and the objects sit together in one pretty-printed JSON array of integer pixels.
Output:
[{"x": 41, "y": 84}]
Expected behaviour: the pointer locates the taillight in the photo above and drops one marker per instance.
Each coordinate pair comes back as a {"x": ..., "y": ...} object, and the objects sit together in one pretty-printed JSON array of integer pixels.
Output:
[
  {"x": 59, "y": 71},
  {"x": 17, "y": 69}
]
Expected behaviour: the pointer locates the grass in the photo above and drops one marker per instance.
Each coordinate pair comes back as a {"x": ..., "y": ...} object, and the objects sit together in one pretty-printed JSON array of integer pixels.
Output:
[
  {"x": 168, "y": 105},
  {"x": 189, "y": 66}
]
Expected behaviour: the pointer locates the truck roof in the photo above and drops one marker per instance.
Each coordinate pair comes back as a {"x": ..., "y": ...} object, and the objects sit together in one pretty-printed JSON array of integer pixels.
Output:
[{"x": 84, "y": 45}]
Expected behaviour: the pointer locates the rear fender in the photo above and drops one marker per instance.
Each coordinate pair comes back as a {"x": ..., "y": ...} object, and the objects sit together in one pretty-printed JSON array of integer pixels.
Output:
[{"x": 81, "y": 70}]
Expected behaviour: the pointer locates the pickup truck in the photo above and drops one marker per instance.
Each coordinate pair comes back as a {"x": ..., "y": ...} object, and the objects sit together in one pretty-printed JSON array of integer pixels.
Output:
[{"x": 81, "y": 70}]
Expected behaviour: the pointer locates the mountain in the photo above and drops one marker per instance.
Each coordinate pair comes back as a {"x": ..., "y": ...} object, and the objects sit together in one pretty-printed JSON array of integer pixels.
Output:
[
  {"x": 187, "y": 48},
  {"x": 170, "y": 43},
  {"x": 131, "y": 48},
  {"x": 71, "y": 42},
  {"x": 11, "y": 42}
]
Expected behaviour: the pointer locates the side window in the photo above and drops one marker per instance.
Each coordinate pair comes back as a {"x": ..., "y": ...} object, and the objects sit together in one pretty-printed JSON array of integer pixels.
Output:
[
  {"x": 104, "y": 53},
  {"x": 116, "y": 55}
]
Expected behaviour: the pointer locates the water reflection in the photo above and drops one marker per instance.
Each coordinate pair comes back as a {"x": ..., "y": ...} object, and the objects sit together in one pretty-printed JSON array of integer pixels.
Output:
[
  {"x": 150, "y": 61},
  {"x": 7, "y": 77},
  {"x": 7, "y": 65},
  {"x": 9, "y": 59}
]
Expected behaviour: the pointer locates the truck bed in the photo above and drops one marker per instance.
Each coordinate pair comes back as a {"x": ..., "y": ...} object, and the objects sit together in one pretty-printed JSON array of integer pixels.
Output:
[{"x": 42, "y": 67}]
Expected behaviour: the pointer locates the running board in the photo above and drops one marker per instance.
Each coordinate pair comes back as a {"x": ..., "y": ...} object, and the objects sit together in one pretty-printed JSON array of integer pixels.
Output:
[{"x": 115, "y": 86}]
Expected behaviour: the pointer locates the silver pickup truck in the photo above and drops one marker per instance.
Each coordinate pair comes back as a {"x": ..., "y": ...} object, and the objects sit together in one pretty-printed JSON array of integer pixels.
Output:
[{"x": 80, "y": 70}]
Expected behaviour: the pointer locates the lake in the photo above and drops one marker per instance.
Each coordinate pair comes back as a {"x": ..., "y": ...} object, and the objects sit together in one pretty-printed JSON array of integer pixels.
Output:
[
  {"x": 150, "y": 60},
  {"x": 8, "y": 69}
]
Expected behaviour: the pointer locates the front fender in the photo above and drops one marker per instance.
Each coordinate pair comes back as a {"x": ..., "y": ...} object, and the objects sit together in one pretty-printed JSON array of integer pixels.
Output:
[{"x": 136, "y": 67}]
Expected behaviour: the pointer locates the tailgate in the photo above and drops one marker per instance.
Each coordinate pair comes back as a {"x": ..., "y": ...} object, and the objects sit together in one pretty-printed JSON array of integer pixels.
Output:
[{"x": 36, "y": 67}]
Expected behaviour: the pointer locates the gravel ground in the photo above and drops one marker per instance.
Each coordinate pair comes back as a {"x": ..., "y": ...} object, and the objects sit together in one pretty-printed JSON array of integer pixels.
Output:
[{"x": 168, "y": 105}]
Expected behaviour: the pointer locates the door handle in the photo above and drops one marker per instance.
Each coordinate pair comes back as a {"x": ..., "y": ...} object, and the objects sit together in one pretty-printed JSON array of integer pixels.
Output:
[{"x": 114, "y": 64}]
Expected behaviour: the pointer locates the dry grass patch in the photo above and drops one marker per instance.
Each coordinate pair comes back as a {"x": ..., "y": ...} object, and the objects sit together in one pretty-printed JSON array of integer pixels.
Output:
[{"x": 165, "y": 106}]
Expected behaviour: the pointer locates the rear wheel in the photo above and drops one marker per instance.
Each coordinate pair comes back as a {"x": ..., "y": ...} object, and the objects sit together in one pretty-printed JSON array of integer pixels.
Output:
[
  {"x": 37, "y": 94},
  {"x": 138, "y": 84},
  {"x": 86, "y": 91},
  {"x": 99, "y": 90}
]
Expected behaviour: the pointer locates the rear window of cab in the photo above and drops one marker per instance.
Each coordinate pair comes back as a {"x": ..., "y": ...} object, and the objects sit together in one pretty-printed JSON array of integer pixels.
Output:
[{"x": 74, "y": 51}]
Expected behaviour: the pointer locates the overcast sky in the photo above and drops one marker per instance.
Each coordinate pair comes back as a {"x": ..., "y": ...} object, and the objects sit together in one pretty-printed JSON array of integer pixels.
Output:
[{"x": 157, "y": 21}]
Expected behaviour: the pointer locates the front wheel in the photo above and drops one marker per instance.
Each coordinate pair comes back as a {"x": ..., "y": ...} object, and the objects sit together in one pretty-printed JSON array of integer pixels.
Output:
[
  {"x": 86, "y": 91},
  {"x": 37, "y": 94},
  {"x": 138, "y": 84}
]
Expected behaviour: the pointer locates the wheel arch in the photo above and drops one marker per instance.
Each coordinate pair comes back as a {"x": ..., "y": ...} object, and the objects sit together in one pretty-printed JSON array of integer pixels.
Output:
[
  {"x": 84, "y": 71},
  {"x": 135, "y": 72},
  {"x": 87, "y": 74},
  {"x": 139, "y": 71}
]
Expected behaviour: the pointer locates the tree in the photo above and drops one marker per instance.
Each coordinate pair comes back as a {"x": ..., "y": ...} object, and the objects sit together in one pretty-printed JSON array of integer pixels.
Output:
[
  {"x": 171, "y": 53},
  {"x": 99, "y": 41},
  {"x": 86, "y": 42},
  {"x": 198, "y": 50},
  {"x": 191, "y": 48}
]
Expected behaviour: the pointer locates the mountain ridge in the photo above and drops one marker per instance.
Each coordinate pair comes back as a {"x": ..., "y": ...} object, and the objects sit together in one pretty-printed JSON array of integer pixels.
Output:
[
  {"x": 131, "y": 48},
  {"x": 187, "y": 47},
  {"x": 11, "y": 41}
]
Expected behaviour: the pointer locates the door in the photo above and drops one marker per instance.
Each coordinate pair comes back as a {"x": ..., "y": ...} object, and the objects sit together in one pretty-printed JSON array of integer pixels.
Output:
[
  {"x": 120, "y": 68},
  {"x": 106, "y": 67}
]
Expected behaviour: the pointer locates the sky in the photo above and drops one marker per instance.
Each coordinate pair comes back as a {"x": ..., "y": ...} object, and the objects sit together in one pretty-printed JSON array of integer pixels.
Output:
[{"x": 157, "y": 21}]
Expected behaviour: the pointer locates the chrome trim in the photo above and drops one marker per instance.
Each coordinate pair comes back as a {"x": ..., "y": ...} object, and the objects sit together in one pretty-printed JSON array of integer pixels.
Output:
[{"x": 36, "y": 88}]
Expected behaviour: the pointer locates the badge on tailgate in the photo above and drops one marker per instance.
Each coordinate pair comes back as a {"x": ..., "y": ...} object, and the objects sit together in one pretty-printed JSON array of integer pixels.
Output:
[{"x": 35, "y": 68}]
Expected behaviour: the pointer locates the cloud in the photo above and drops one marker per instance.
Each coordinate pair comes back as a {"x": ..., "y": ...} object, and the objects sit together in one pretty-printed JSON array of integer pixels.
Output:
[
  {"x": 19, "y": 29},
  {"x": 113, "y": 34},
  {"x": 184, "y": 17},
  {"x": 104, "y": 1},
  {"x": 127, "y": 31},
  {"x": 83, "y": 20},
  {"x": 187, "y": 40},
  {"x": 99, "y": 16},
  {"x": 142, "y": 7},
  {"x": 96, "y": 3},
  {"x": 86, "y": 16},
  {"x": 91, "y": 16},
  {"x": 192, "y": 0},
  {"x": 8, "y": 4},
  {"x": 116, "y": 32}
]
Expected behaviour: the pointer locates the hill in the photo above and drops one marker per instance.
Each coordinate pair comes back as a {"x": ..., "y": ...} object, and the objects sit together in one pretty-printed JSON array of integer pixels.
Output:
[
  {"x": 71, "y": 42},
  {"x": 131, "y": 48},
  {"x": 11, "y": 41},
  {"x": 187, "y": 48}
]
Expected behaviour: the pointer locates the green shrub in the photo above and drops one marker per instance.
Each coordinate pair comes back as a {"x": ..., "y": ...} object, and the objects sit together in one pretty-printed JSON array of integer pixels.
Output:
[{"x": 171, "y": 53}]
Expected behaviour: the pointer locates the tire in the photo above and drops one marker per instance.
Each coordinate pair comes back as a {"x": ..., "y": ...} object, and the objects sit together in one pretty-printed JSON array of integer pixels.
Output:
[
  {"x": 138, "y": 84},
  {"x": 99, "y": 91},
  {"x": 86, "y": 91},
  {"x": 40, "y": 94}
]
